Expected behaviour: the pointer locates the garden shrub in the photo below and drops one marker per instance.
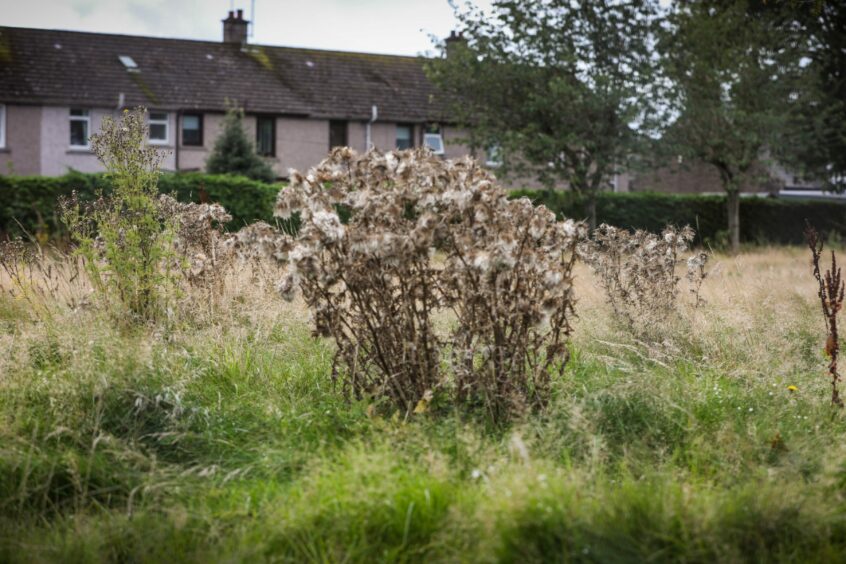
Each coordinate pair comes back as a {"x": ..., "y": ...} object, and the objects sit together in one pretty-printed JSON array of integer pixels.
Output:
[
  {"x": 234, "y": 153},
  {"x": 28, "y": 203},
  {"x": 762, "y": 220}
]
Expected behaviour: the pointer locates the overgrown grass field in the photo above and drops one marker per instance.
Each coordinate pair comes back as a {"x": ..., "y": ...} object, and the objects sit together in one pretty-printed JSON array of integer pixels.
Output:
[{"x": 224, "y": 439}]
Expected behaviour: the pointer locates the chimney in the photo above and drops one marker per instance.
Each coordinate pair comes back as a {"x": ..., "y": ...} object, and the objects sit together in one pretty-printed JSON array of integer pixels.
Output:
[
  {"x": 235, "y": 28},
  {"x": 454, "y": 39}
]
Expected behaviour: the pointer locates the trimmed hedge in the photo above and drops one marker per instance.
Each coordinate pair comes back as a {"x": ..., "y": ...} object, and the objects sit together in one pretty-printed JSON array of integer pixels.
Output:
[
  {"x": 762, "y": 220},
  {"x": 29, "y": 202}
]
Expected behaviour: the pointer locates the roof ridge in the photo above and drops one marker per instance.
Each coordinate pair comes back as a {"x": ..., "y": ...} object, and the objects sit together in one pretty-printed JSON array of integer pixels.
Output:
[{"x": 216, "y": 43}]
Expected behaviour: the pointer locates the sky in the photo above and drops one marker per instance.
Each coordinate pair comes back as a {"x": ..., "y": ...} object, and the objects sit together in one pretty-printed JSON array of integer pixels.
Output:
[{"x": 401, "y": 27}]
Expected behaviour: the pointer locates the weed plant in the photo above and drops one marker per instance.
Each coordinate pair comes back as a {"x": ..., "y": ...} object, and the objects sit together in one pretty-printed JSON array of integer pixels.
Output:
[
  {"x": 125, "y": 241},
  {"x": 637, "y": 270},
  {"x": 374, "y": 284}
]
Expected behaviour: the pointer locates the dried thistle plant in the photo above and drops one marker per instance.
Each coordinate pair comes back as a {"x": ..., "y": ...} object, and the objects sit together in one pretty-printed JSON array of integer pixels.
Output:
[
  {"x": 508, "y": 279},
  {"x": 370, "y": 284},
  {"x": 200, "y": 243},
  {"x": 42, "y": 278},
  {"x": 375, "y": 283},
  {"x": 696, "y": 275},
  {"x": 831, "y": 293},
  {"x": 260, "y": 247},
  {"x": 637, "y": 270}
]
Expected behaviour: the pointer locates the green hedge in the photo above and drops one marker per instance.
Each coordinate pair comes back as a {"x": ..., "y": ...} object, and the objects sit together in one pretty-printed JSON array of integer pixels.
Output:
[
  {"x": 762, "y": 220},
  {"x": 29, "y": 202}
]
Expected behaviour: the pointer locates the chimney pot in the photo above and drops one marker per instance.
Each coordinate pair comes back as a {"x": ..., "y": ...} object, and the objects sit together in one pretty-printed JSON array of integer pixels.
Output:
[
  {"x": 235, "y": 28},
  {"x": 454, "y": 38}
]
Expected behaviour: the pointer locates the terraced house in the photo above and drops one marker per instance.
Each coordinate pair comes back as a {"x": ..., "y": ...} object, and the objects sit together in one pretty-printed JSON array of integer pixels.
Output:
[{"x": 57, "y": 86}]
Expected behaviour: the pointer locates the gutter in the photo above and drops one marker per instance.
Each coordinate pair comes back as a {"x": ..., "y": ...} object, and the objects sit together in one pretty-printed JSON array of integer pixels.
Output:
[
  {"x": 176, "y": 140},
  {"x": 374, "y": 115}
]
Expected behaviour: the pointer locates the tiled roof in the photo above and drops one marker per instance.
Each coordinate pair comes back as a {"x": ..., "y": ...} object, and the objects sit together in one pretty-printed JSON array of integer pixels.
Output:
[{"x": 76, "y": 68}]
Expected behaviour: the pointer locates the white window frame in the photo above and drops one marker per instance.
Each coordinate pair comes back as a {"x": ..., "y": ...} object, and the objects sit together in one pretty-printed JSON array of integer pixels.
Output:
[
  {"x": 2, "y": 126},
  {"x": 86, "y": 117},
  {"x": 438, "y": 139},
  {"x": 165, "y": 122}
]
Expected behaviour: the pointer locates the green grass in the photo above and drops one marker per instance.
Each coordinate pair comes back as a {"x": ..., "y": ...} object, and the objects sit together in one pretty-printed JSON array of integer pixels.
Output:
[{"x": 231, "y": 444}]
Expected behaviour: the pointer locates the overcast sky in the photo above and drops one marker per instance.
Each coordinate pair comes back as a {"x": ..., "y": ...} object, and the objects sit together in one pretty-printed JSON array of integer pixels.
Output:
[{"x": 377, "y": 26}]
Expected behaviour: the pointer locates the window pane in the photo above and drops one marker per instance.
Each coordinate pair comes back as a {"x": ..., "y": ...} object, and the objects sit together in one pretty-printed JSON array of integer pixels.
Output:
[
  {"x": 434, "y": 142},
  {"x": 404, "y": 140},
  {"x": 79, "y": 112},
  {"x": 79, "y": 133},
  {"x": 191, "y": 123},
  {"x": 192, "y": 133},
  {"x": 264, "y": 136},
  {"x": 337, "y": 134},
  {"x": 158, "y": 132},
  {"x": 158, "y": 116}
]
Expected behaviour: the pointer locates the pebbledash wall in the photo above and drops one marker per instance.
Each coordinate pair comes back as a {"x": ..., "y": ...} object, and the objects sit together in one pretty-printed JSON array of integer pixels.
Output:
[{"x": 38, "y": 140}]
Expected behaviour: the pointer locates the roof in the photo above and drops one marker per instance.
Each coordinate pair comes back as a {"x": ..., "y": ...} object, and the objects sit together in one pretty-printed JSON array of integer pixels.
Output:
[{"x": 79, "y": 68}]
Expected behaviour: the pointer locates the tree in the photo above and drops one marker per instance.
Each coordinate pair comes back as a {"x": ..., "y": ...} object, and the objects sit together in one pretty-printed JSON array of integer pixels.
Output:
[
  {"x": 815, "y": 141},
  {"x": 234, "y": 153},
  {"x": 556, "y": 86},
  {"x": 731, "y": 73}
]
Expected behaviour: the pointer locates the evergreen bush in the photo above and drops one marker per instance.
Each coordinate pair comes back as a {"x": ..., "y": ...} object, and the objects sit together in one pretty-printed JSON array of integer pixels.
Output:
[{"x": 233, "y": 152}]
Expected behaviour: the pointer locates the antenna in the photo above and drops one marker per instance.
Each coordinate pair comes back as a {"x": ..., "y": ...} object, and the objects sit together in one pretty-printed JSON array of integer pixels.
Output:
[{"x": 252, "y": 18}]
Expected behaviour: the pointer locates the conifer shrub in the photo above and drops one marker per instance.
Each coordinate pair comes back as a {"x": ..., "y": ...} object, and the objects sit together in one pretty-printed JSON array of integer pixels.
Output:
[{"x": 234, "y": 153}]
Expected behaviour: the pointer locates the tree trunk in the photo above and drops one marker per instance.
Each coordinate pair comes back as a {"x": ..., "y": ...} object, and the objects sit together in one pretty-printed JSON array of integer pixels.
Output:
[
  {"x": 591, "y": 209},
  {"x": 734, "y": 219}
]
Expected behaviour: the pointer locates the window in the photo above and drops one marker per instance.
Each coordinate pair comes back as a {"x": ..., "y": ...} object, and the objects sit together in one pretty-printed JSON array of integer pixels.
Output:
[
  {"x": 405, "y": 136},
  {"x": 80, "y": 123},
  {"x": 493, "y": 156},
  {"x": 433, "y": 139},
  {"x": 129, "y": 64},
  {"x": 266, "y": 136},
  {"x": 337, "y": 134},
  {"x": 2, "y": 126},
  {"x": 192, "y": 130},
  {"x": 158, "y": 123}
]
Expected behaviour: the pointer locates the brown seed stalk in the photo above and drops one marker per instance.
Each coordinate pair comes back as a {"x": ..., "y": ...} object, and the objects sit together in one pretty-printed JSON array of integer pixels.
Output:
[{"x": 831, "y": 292}]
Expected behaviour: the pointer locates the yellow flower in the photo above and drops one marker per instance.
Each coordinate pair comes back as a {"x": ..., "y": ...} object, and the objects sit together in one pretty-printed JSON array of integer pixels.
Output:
[{"x": 792, "y": 388}]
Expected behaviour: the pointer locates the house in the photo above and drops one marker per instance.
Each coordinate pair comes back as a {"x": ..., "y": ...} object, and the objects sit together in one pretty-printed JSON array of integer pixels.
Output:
[{"x": 57, "y": 86}]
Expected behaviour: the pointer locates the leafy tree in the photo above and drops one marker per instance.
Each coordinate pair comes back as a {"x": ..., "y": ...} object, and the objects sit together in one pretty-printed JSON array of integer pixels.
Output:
[
  {"x": 731, "y": 72},
  {"x": 815, "y": 141},
  {"x": 555, "y": 85},
  {"x": 234, "y": 153}
]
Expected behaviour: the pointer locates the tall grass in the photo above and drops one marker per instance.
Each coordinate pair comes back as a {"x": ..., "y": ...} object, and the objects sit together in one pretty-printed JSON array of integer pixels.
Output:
[{"x": 226, "y": 441}]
